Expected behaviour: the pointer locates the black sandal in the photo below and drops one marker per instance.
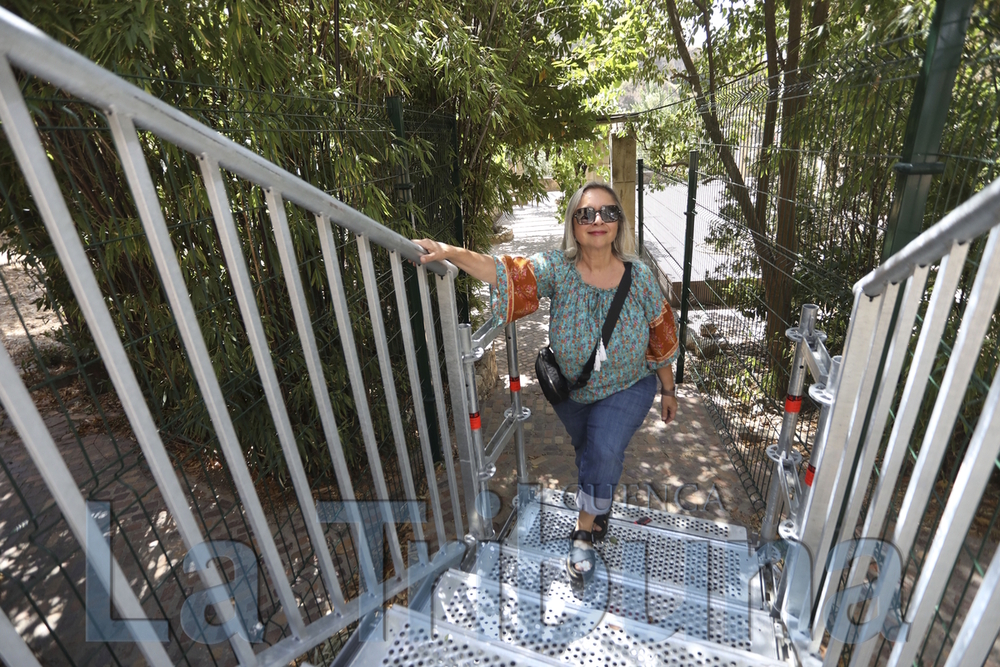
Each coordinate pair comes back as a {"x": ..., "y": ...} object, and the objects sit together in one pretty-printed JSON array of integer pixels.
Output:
[
  {"x": 581, "y": 554},
  {"x": 600, "y": 529}
]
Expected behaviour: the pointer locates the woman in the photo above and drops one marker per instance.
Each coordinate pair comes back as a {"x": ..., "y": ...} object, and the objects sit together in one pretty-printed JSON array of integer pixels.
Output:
[{"x": 581, "y": 279}]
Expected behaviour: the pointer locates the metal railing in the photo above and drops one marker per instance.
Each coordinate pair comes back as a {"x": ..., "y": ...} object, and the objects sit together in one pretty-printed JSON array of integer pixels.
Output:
[
  {"x": 135, "y": 117},
  {"x": 851, "y": 453},
  {"x": 512, "y": 425},
  {"x": 867, "y": 122}
]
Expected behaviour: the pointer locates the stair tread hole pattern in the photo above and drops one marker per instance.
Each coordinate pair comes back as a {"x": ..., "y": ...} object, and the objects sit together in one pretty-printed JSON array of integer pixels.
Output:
[{"x": 711, "y": 565}]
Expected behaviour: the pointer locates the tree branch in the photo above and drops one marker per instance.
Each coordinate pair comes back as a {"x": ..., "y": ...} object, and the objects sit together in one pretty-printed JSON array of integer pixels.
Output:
[
  {"x": 493, "y": 15},
  {"x": 486, "y": 127},
  {"x": 737, "y": 185},
  {"x": 770, "y": 111},
  {"x": 706, "y": 16}
]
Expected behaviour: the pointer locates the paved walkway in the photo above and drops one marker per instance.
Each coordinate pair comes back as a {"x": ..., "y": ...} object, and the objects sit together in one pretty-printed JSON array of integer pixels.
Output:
[{"x": 673, "y": 467}]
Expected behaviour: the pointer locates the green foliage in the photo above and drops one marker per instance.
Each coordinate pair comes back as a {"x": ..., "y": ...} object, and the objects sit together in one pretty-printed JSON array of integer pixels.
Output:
[
  {"x": 520, "y": 76},
  {"x": 843, "y": 131},
  {"x": 665, "y": 136},
  {"x": 571, "y": 165},
  {"x": 318, "y": 140},
  {"x": 494, "y": 80}
]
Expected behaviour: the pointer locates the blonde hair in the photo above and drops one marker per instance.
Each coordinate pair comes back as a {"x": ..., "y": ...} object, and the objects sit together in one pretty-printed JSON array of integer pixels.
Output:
[{"x": 623, "y": 246}]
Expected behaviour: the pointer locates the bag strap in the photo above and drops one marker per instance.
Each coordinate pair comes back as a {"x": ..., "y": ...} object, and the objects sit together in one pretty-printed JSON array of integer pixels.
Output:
[{"x": 610, "y": 322}]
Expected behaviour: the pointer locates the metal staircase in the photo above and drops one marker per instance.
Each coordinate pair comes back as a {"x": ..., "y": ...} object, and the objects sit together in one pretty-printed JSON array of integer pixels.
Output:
[{"x": 674, "y": 591}]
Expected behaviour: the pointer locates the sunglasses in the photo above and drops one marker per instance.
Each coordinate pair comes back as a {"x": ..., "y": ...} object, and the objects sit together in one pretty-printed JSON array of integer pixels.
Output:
[{"x": 588, "y": 214}]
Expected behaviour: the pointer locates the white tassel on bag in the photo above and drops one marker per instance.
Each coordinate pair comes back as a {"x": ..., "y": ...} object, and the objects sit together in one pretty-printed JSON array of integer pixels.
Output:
[{"x": 601, "y": 355}]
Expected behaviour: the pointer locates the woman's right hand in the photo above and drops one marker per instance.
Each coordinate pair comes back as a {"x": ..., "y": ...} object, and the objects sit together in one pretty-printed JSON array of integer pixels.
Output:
[
  {"x": 475, "y": 264},
  {"x": 436, "y": 251}
]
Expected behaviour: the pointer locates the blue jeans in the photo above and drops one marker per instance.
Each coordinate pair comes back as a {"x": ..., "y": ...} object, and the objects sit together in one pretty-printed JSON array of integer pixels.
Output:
[{"x": 600, "y": 432}]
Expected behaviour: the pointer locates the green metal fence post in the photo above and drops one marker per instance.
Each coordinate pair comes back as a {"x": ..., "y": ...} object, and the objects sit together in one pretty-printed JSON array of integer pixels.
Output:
[
  {"x": 919, "y": 159},
  {"x": 925, "y": 125},
  {"x": 688, "y": 252},
  {"x": 638, "y": 214},
  {"x": 394, "y": 107}
]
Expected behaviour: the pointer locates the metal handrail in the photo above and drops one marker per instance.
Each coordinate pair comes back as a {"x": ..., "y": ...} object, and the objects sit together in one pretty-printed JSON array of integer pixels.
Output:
[
  {"x": 127, "y": 109},
  {"x": 863, "y": 389},
  {"x": 973, "y": 218}
]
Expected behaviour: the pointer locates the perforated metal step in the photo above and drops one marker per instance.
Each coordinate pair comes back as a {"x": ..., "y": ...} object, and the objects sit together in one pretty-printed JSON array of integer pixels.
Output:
[
  {"x": 729, "y": 623},
  {"x": 666, "y": 552},
  {"x": 677, "y": 591},
  {"x": 570, "y": 629},
  {"x": 472, "y": 636},
  {"x": 406, "y": 638},
  {"x": 678, "y": 523}
]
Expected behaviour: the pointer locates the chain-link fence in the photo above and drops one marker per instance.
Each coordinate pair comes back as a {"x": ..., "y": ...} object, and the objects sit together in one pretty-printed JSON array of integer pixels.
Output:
[
  {"x": 346, "y": 147},
  {"x": 846, "y": 141}
]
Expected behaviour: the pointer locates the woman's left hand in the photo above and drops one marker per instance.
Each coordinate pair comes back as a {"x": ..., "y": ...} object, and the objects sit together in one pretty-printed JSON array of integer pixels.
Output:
[{"x": 668, "y": 408}]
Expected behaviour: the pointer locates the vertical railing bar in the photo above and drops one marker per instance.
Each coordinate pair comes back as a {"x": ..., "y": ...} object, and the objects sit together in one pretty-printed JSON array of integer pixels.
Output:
[
  {"x": 148, "y": 206},
  {"x": 435, "y": 363},
  {"x": 967, "y": 492},
  {"x": 403, "y": 306},
  {"x": 961, "y": 363},
  {"x": 861, "y": 402},
  {"x": 24, "y": 140},
  {"x": 12, "y": 647},
  {"x": 165, "y": 257},
  {"x": 389, "y": 387},
  {"x": 517, "y": 410},
  {"x": 836, "y": 454},
  {"x": 258, "y": 341},
  {"x": 905, "y": 319},
  {"x": 982, "y": 622},
  {"x": 240, "y": 277},
  {"x": 481, "y": 471},
  {"x": 912, "y": 297},
  {"x": 640, "y": 182},
  {"x": 459, "y": 401},
  {"x": 38, "y": 441},
  {"x": 692, "y": 206},
  {"x": 343, "y": 312},
  {"x": 942, "y": 297}
]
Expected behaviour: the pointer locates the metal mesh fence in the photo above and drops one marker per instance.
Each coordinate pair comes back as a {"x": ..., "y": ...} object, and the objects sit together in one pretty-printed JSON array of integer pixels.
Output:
[
  {"x": 848, "y": 137},
  {"x": 841, "y": 208},
  {"x": 345, "y": 147},
  {"x": 970, "y": 151}
]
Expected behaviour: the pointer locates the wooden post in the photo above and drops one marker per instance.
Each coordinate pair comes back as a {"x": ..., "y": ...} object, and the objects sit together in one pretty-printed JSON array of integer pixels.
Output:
[{"x": 623, "y": 175}]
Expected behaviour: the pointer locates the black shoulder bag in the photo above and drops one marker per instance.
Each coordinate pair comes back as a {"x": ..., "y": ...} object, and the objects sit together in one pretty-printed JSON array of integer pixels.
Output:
[{"x": 554, "y": 385}]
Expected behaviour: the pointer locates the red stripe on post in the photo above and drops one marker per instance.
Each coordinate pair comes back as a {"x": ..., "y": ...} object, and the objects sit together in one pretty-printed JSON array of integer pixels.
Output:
[
  {"x": 810, "y": 473},
  {"x": 793, "y": 404},
  {"x": 515, "y": 384},
  {"x": 475, "y": 422}
]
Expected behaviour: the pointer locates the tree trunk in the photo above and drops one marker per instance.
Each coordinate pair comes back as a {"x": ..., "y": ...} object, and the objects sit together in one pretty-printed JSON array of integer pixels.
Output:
[
  {"x": 778, "y": 295},
  {"x": 776, "y": 248},
  {"x": 778, "y": 290},
  {"x": 736, "y": 185}
]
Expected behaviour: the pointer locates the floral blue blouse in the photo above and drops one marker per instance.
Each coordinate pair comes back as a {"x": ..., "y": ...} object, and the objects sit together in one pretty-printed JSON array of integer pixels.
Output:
[{"x": 644, "y": 339}]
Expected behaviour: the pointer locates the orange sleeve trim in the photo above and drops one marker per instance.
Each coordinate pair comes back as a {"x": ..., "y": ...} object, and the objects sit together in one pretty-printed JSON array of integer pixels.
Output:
[
  {"x": 662, "y": 336},
  {"x": 522, "y": 287}
]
